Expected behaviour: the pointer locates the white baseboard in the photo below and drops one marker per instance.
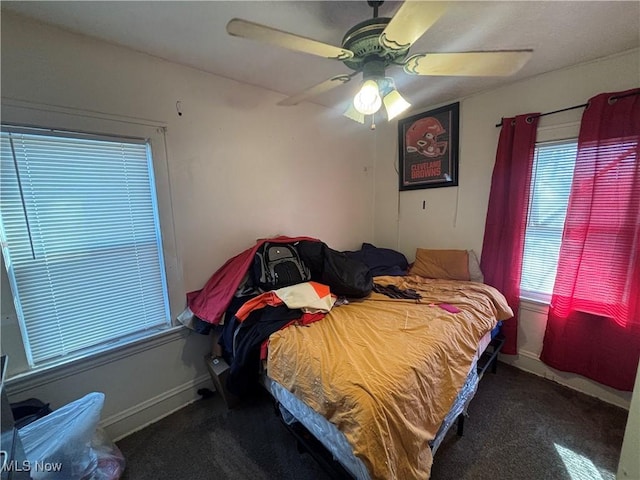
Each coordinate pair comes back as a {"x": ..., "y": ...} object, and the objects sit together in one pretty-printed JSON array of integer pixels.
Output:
[
  {"x": 150, "y": 411},
  {"x": 530, "y": 362}
]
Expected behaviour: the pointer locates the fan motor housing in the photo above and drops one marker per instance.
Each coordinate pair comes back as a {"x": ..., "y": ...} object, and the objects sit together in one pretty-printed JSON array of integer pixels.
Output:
[{"x": 363, "y": 41}]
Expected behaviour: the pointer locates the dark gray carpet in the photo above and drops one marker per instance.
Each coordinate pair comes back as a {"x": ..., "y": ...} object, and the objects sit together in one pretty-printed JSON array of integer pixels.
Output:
[{"x": 520, "y": 426}]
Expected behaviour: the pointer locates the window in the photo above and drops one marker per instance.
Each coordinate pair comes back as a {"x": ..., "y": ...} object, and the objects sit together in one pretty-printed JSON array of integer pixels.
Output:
[
  {"x": 551, "y": 179},
  {"x": 81, "y": 239}
]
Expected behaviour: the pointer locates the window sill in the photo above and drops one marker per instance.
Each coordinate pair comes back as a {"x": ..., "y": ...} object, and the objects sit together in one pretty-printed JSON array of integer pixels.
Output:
[
  {"x": 538, "y": 298},
  {"x": 534, "y": 303},
  {"x": 64, "y": 368}
]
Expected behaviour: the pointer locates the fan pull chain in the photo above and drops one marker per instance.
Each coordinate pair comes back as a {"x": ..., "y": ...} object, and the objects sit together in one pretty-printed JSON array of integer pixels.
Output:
[{"x": 373, "y": 122}]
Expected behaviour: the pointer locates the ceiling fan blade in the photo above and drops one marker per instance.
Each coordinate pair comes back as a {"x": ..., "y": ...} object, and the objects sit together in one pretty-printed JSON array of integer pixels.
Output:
[
  {"x": 317, "y": 89},
  {"x": 500, "y": 63},
  {"x": 410, "y": 22},
  {"x": 254, "y": 31}
]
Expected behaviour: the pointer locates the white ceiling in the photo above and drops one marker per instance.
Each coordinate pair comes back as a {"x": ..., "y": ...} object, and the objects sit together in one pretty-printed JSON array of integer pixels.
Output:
[{"x": 561, "y": 33}]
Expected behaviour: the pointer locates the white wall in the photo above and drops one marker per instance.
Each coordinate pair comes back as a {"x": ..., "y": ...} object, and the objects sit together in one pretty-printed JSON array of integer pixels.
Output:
[
  {"x": 454, "y": 216},
  {"x": 240, "y": 168}
]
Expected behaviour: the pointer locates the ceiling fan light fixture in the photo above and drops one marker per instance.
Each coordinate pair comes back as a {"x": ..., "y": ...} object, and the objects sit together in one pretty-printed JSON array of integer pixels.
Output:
[
  {"x": 354, "y": 114},
  {"x": 375, "y": 44},
  {"x": 367, "y": 101},
  {"x": 394, "y": 104}
]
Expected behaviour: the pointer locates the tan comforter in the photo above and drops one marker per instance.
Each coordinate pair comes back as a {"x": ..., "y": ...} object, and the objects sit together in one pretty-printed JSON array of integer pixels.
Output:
[{"x": 387, "y": 371}]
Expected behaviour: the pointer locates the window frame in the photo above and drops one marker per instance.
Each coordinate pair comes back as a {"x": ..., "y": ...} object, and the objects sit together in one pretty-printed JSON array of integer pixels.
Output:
[{"x": 55, "y": 118}]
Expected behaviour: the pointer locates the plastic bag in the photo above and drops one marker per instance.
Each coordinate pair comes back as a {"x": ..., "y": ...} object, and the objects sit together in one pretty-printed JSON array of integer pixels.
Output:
[
  {"x": 58, "y": 446},
  {"x": 111, "y": 461}
]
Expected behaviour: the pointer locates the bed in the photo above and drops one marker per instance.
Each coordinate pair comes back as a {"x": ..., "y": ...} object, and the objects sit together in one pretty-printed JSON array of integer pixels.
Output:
[{"x": 379, "y": 381}]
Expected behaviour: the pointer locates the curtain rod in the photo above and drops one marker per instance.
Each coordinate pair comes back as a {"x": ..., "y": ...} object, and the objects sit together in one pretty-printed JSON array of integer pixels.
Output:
[{"x": 615, "y": 97}]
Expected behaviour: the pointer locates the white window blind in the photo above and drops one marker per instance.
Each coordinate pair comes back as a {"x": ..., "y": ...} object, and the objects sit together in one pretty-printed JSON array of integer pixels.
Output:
[
  {"x": 81, "y": 239},
  {"x": 552, "y": 175}
]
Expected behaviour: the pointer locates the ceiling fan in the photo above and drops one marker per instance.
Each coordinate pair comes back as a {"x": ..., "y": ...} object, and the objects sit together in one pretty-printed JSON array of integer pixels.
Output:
[{"x": 371, "y": 46}]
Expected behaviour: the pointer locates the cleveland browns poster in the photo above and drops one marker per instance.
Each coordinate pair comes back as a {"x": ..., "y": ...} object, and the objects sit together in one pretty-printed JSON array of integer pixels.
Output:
[{"x": 428, "y": 148}]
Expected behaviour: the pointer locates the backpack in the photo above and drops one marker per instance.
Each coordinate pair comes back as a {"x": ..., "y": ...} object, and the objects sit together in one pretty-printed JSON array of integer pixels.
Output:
[{"x": 277, "y": 265}]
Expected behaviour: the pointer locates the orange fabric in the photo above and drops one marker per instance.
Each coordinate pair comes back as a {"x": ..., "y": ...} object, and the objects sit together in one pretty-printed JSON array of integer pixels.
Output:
[
  {"x": 442, "y": 264},
  {"x": 308, "y": 296},
  {"x": 386, "y": 371},
  {"x": 263, "y": 300}
]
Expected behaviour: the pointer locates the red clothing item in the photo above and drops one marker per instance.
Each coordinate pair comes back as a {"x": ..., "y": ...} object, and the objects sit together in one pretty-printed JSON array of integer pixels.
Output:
[{"x": 210, "y": 303}]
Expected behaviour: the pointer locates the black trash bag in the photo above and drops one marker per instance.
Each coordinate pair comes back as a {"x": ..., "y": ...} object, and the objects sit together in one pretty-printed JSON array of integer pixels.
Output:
[
  {"x": 345, "y": 276},
  {"x": 28, "y": 410}
]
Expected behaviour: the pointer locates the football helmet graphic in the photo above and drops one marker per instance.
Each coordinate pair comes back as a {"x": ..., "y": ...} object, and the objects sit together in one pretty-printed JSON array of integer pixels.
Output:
[{"x": 422, "y": 137}]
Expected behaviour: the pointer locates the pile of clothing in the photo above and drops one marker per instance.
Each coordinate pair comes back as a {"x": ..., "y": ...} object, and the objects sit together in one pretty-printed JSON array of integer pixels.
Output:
[{"x": 238, "y": 305}]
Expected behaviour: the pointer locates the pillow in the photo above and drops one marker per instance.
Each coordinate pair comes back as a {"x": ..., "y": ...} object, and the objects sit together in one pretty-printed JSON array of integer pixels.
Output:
[
  {"x": 475, "y": 274},
  {"x": 443, "y": 264}
]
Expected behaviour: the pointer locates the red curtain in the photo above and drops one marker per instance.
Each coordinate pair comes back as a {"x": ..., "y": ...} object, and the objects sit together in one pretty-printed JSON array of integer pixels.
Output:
[
  {"x": 503, "y": 245},
  {"x": 593, "y": 327}
]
